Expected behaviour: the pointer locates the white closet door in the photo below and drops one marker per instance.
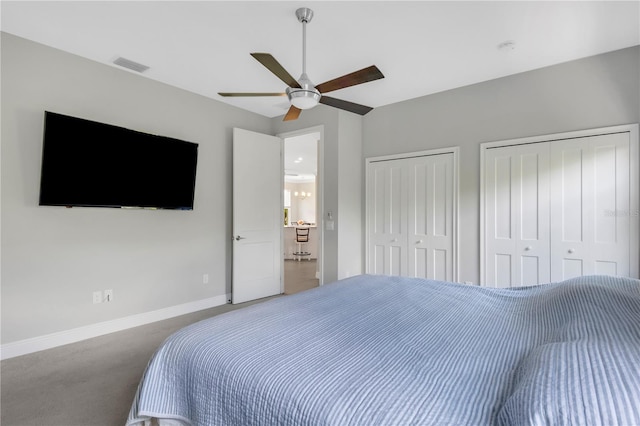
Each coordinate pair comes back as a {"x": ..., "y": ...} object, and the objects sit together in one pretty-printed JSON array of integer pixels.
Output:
[
  {"x": 517, "y": 215},
  {"x": 430, "y": 221},
  {"x": 410, "y": 216},
  {"x": 590, "y": 212},
  {"x": 387, "y": 217}
]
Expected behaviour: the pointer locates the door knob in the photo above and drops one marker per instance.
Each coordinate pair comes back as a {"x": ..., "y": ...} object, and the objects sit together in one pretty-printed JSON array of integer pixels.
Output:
[
  {"x": 395, "y": 240},
  {"x": 570, "y": 250},
  {"x": 419, "y": 242},
  {"x": 238, "y": 238},
  {"x": 527, "y": 248}
]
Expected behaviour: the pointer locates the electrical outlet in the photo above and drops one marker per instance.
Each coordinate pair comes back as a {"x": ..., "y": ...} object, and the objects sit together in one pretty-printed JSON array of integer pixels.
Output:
[
  {"x": 108, "y": 295},
  {"x": 205, "y": 278},
  {"x": 97, "y": 297}
]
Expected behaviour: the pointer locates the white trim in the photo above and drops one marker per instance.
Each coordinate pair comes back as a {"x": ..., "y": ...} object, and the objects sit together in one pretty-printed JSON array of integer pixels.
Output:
[
  {"x": 481, "y": 278},
  {"x": 632, "y": 128},
  {"x": 634, "y": 184},
  {"x": 455, "y": 150},
  {"x": 48, "y": 341},
  {"x": 634, "y": 202}
]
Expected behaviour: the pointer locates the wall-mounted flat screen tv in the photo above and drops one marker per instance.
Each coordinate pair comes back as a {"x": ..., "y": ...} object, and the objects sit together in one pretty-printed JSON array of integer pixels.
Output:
[{"x": 90, "y": 164}]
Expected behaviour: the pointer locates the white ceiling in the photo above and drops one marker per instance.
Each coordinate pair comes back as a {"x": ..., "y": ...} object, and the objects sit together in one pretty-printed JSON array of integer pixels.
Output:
[
  {"x": 422, "y": 47},
  {"x": 301, "y": 158}
]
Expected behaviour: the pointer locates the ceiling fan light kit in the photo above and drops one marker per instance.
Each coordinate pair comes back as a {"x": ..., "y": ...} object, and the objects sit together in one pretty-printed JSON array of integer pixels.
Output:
[
  {"x": 302, "y": 93},
  {"x": 306, "y": 97}
]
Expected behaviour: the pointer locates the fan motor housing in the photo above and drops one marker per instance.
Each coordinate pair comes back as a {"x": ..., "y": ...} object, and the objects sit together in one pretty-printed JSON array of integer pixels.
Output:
[{"x": 303, "y": 98}]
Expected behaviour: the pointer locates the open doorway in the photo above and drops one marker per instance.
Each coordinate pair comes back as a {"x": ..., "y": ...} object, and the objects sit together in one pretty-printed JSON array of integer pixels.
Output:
[{"x": 302, "y": 228}]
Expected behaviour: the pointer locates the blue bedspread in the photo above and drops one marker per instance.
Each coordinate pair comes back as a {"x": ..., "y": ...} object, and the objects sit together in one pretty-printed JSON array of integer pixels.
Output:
[{"x": 375, "y": 350}]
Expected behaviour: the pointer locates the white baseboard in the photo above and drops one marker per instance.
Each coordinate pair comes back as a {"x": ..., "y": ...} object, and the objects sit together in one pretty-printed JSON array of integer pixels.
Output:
[{"x": 48, "y": 341}]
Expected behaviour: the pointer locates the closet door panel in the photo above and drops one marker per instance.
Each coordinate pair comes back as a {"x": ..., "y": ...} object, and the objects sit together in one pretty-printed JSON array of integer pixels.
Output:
[
  {"x": 606, "y": 268},
  {"x": 590, "y": 211},
  {"x": 441, "y": 265},
  {"x": 516, "y": 215},
  {"x": 500, "y": 184},
  {"x": 377, "y": 259},
  {"x": 530, "y": 270},
  {"x": 605, "y": 169},
  {"x": 396, "y": 259},
  {"x": 386, "y": 210},
  {"x": 430, "y": 219},
  {"x": 502, "y": 270},
  {"x": 569, "y": 247},
  {"x": 532, "y": 245},
  {"x": 611, "y": 194},
  {"x": 571, "y": 268},
  {"x": 569, "y": 199},
  {"x": 500, "y": 242}
]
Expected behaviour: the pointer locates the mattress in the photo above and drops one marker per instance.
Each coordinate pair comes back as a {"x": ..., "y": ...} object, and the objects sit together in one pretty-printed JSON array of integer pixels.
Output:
[{"x": 380, "y": 350}]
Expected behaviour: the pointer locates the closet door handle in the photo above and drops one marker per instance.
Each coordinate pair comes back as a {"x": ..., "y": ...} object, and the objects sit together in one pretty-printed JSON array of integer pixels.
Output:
[
  {"x": 419, "y": 242},
  {"x": 570, "y": 251},
  {"x": 527, "y": 248},
  {"x": 395, "y": 240},
  {"x": 238, "y": 238}
]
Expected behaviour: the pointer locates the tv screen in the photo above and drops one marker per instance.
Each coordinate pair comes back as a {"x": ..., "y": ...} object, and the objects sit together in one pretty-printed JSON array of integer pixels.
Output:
[{"x": 90, "y": 164}]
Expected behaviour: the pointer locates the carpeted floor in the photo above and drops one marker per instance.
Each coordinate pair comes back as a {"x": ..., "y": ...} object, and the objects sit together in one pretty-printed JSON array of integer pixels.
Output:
[{"x": 93, "y": 382}]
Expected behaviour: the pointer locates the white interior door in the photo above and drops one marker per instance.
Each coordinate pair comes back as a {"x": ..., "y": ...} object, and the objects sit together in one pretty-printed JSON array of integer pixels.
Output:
[
  {"x": 590, "y": 209},
  {"x": 564, "y": 204},
  {"x": 517, "y": 215},
  {"x": 430, "y": 225},
  {"x": 257, "y": 216},
  {"x": 411, "y": 215},
  {"x": 387, "y": 217}
]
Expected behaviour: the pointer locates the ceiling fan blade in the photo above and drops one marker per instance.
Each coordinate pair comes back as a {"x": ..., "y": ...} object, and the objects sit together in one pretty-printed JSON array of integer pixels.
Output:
[
  {"x": 345, "y": 105},
  {"x": 274, "y": 66},
  {"x": 227, "y": 94},
  {"x": 358, "y": 77},
  {"x": 292, "y": 114}
]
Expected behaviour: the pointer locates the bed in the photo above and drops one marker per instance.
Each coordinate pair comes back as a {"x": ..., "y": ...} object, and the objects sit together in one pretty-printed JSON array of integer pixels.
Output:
[{"x": 380, "y": 350}]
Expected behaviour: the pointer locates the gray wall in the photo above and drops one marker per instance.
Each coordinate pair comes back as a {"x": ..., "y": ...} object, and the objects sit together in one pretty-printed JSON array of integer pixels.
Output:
[
  {"x": 594, "y": 92},
  {"x": 54, "y": 258},
  {"x": 350, "y": 196}
]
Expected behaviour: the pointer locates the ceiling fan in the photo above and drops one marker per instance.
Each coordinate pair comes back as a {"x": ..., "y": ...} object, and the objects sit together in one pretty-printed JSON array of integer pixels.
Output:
[{"x": 302, "y": 93}]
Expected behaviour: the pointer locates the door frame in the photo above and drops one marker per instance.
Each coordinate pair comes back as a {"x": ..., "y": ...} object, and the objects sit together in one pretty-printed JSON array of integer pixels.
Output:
[
  {"x": 634, "y": 184},
  {"x": 455, "y": 150},
  {"x": 319, "y": 194}
]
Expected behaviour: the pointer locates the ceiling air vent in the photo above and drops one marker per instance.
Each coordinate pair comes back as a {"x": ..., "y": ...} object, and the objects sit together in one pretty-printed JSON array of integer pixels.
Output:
[{"x": 134, "y": 66}]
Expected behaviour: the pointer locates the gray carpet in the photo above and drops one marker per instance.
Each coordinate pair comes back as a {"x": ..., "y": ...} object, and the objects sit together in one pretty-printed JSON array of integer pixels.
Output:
[{"x": 93, "y": 382}]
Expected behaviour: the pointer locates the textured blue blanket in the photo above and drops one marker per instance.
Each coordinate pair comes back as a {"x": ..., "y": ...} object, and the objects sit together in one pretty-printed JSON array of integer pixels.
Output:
[{"x": 375, "y": 350}]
